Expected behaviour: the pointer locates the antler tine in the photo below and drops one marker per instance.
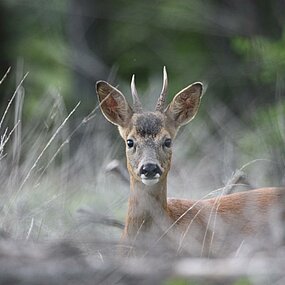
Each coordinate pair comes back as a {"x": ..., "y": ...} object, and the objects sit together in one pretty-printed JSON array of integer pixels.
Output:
[
  {"x": 161, "y": 100},
  {"x": 136, "y": 101}
]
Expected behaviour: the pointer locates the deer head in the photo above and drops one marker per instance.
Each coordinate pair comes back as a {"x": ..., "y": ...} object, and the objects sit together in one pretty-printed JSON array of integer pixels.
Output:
[{"x": 149, "y": 135}]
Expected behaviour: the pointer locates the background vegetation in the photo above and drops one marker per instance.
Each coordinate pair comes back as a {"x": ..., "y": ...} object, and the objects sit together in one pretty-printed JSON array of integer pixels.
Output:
[{"x": 54, "y": 153}]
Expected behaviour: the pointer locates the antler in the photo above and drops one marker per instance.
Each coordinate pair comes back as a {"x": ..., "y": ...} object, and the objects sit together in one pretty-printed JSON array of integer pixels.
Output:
[
  {"x": 161, "y": 100},
  {"x": 136, "y": 101}
]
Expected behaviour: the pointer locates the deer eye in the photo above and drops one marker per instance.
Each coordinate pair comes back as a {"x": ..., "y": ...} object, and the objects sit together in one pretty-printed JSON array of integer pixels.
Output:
[
  {"x": 167, "y": 143},
  {"x": 130, "y": 143}
]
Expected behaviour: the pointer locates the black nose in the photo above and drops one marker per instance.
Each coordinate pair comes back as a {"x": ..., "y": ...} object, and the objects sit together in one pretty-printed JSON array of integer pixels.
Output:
[{"x": 150, "y": 170}]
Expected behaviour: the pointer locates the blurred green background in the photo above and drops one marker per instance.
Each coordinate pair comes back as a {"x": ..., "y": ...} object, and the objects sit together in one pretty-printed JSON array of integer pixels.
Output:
[{"x": 237, "y": 47}]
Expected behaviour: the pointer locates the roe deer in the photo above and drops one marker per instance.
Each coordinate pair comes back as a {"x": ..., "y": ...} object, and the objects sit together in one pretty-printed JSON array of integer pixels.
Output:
[{"x": 204, "y": 227}]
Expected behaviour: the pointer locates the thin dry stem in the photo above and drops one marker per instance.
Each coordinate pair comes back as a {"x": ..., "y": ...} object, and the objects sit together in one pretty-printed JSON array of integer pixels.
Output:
[
  {"x": 86, "y": 119},
  {"x": 46, "y": 146},
  {"x": 12, "y": 99},
  {"x": 5, "y": 75},
  {"x": 30, "y": 229},
  {"x": 254, "y": 161},
  {"x": 5, "y": 138}
]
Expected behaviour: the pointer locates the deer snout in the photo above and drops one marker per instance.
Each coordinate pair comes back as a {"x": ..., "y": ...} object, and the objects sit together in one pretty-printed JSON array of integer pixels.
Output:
[{"x": 150, "y": 173}]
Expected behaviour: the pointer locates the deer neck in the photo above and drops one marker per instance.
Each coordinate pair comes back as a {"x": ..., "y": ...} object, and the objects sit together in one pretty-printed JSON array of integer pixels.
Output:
[{"x": 147, "y": 204}]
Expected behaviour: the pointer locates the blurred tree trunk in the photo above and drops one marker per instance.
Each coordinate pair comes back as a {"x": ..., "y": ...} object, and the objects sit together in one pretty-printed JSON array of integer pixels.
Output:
[
  {"x": 87, "y": 64},
  {"x": 85, "y": 32}
]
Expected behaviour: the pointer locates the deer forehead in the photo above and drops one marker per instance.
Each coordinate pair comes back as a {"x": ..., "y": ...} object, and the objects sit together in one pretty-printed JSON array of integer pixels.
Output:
[{"x": 148, "y": 125}]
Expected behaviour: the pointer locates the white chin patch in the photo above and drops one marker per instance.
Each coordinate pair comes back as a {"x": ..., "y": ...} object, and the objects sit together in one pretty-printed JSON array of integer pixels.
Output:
[{"x": 150, "y": 182}]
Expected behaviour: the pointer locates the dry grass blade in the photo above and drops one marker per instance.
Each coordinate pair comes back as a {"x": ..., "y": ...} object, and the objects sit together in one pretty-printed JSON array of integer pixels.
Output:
[
  {"x": 85, "y": 120},
  {"x": 12, "y": 99},
  {"x": 46, "y": 146},
  {"x": 5, "y": 75},
  {"x": 5, "y": 138}
]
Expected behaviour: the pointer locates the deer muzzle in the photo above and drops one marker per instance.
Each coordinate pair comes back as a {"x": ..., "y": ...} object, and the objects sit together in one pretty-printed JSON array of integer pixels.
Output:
[{"x": 150, "y": 173}]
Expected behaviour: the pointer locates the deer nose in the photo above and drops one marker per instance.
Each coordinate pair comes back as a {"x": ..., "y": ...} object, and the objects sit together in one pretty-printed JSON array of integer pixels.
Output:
[{"x": 150, "y": 170}]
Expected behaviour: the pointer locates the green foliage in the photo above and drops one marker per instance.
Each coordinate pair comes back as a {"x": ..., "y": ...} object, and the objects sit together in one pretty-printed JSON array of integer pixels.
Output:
[
  {"x": 37, "y": 39},
  {"x": 266, "y": 56},
  {"x": 197, "y": 41}
]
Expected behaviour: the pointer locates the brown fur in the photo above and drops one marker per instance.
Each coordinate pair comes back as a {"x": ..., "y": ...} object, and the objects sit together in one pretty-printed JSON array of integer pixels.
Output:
[{"x": 252, "y": 206}]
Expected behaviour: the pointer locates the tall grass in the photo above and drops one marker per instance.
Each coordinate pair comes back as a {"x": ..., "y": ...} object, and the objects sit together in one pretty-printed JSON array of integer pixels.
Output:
[
  {"x": 54, "y": 163},
  {"x": 44, "y": 179}
]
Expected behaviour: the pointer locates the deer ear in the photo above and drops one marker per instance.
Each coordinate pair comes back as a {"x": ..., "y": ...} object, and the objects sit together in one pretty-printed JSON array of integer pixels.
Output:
[
  {"x": 185, "y": 104},
  {"x": 113, "y": 104}
]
